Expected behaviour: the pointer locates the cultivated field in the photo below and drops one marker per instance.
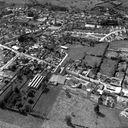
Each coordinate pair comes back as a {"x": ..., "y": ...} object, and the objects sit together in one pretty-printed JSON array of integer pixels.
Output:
[{"x": 118, "y": 44}]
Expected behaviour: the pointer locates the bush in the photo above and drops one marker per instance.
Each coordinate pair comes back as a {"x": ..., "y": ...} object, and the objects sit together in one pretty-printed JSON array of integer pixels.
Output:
[
  {"x": 31, "y": 93},
  {"x": 19, "y": 105},
  {"x": 2, "y": 104},
  {"x": 69, "y": 121},
  {"x": 16, "y": 90},
  {"x": 22, "y": 111}
]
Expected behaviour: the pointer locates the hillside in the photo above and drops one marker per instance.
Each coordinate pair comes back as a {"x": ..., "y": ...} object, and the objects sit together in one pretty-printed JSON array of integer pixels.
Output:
[{"x": 67, "y": 3}]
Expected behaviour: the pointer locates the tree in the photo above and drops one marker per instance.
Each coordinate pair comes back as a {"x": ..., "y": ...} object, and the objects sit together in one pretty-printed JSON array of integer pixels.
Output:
[
  {"x": 31, "y": 93},
  {"x": 30, "y": 14},
  {"x": 85, "y": 54},
  {"x": 2, "y": 104},
  {"x": 23, "y": 111},
  {"x": 6, "y": 81},
  {"x": 97, "y": 109},
  {"x": 69, "y": 121},
  {"x": 30, "y": 101},
  {"x": 92, "y": 44},
  {"x": 22, "y": 38},
  {"x": 16, "y": 90},
  {"x": 12, "y": 68},
  {"x": 46, "y": 90},
  {"x": 35, "y": 17},
  {"x": 19, "y": 76},
  {"x": 28, "y": 108},
  {"x": 68, "y": 94},
  {"x": 19, "y": 105}
]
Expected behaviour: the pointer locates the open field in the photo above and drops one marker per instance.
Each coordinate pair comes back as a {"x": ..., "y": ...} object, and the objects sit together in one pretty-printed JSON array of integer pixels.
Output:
[
  {"x": 93, "y": 61},
  {"x": 118, "y": 44},
  {"x": 45, "y": 103},
  {"x": 78, "y": 51},
  {"x": 19, "y": 121},
  {"x": 108, "y": 67},
  {"x": 82, "y": 113}
]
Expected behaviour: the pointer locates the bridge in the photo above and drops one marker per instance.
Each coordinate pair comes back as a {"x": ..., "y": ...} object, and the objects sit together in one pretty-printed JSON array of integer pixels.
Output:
[{"x": 112, "y": 35}]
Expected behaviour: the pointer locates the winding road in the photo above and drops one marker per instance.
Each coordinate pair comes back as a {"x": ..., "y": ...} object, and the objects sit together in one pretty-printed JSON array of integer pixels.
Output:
[{"x": 114, "y": 32}]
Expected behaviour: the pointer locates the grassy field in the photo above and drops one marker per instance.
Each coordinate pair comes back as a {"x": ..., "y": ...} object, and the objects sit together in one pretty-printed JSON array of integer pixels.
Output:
[
  {"x": 118, "y": 44},
  {"x": 82, "y": 113},
  {"x": 45, "y": 103},
  {"x": 93, "y": 61},
  {"x": 78, "y": 51},
  {"x": 108, "y": 67}
]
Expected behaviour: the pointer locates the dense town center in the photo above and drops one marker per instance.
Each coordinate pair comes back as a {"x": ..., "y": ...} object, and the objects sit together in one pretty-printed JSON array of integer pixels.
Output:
[{"x": 58, "y": 63}]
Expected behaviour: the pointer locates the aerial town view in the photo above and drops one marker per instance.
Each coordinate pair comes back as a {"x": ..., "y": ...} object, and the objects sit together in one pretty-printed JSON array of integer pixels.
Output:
[{"x": 63, "y": 63}]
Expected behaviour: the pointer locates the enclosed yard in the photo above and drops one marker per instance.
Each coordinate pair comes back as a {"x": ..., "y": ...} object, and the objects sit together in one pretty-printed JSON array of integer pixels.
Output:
[
  {"x": 92, "y": 61},
  {"x": 78, "y": 51},
  {"x": 108, "y": 67},
  {"x": 44, "y": 105},
  {"x": 118, "y": 44}
]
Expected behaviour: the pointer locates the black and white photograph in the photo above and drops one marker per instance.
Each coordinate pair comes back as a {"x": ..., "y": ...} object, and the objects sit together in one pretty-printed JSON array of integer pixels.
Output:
[{"x": 63, "y": 63}]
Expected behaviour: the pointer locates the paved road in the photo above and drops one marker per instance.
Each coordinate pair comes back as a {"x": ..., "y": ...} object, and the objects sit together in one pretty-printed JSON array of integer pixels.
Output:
[{"x": 114, "y": 32}]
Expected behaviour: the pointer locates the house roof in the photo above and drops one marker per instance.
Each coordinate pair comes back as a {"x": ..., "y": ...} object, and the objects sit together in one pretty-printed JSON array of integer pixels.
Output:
[{"x": 58, "y": 79}]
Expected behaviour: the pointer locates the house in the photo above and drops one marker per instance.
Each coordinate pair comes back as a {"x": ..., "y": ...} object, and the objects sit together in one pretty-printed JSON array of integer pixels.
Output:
[
  {"x": 57, "y": 79},
  {"x": 15, "y": 47},
  {"x": 122, "y": 102},
  {"x": 90, "y": 26},
  {"x": 124, "y": 92},
  {"x": 112, "y": 89}
]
